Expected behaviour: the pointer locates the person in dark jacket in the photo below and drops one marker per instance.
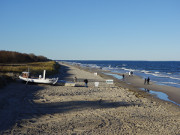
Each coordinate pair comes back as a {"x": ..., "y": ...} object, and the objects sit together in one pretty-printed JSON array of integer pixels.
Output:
[
  {"x": 86, "y": 82},
  {"x": 123, "y": 76},
  {"x": 148, "y": 80},
  {"x": 75, "y": 79},
  {"x": 145, "y": 81}
]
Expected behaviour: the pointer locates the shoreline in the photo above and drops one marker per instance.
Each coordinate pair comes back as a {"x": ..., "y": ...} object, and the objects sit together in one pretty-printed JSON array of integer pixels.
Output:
[
  {"x": 173, "y": 93},
  {"x": 137, "y": 83}
]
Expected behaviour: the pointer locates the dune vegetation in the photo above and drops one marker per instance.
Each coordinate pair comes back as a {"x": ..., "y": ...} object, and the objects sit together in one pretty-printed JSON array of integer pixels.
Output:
[
  {"x": 12, "y": 64},
  {"x": 34, "y": 67}
]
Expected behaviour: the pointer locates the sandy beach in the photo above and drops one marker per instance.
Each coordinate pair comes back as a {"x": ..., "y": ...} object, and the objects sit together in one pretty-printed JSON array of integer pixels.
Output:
[{"x": 107, "y": 109}]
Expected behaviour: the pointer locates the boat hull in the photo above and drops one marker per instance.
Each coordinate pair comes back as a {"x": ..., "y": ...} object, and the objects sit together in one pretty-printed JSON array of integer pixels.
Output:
[{"x": 40, "y": 80}]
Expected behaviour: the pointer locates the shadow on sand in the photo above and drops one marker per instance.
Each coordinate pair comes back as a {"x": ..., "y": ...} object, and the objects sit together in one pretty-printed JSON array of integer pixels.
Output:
[{"x": 22, "y": 107}]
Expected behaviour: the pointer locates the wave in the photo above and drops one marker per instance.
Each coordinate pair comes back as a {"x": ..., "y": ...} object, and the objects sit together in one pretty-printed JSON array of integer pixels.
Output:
[
  {"x": 170, "y": 83},
  {"x": 165, "y": 76},
  {"x": 128, "y": 69},
  {"x": 175, "y": 78},
  {"x": 157, "y": 72},
  {"x": 145, "y": 71}
]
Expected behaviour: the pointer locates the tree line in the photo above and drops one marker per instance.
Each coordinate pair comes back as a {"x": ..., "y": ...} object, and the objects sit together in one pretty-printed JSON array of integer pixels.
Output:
[{"x": 16, "y": 57}]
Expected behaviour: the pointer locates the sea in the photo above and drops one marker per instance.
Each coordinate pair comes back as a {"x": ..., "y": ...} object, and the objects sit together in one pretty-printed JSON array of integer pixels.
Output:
[{"x": 160, "y": 72}]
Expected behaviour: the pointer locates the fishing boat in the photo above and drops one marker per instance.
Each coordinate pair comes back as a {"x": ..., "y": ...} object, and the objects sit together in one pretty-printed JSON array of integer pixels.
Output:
[{"x": 26, "y": 77}]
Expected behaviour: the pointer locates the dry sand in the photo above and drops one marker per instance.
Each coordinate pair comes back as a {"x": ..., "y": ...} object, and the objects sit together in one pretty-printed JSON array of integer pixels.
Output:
[{"x": 108, "y": 109}]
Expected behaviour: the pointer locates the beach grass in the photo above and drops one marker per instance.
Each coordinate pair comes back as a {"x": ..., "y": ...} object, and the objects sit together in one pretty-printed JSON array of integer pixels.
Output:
[{"x": 35, "y": 67}]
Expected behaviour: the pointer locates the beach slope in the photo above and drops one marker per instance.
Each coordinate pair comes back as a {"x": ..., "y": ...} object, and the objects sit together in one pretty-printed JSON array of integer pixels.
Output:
[{"x": 107, "y": 109}]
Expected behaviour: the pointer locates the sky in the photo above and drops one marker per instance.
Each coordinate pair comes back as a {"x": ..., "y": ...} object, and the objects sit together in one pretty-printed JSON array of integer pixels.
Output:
[{"x": 92, "y": 29}]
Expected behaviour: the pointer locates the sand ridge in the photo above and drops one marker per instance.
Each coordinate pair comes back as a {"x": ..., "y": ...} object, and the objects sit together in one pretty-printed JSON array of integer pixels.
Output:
[{"x": 108, "y": 109}]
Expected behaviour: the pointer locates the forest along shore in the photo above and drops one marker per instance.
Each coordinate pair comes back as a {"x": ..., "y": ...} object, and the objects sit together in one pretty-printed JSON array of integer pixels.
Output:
[{"x": 107, "y": 109}]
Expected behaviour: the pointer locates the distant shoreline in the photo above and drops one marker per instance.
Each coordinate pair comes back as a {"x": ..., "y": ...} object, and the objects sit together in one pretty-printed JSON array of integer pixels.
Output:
[{"x": 161, "y": 72}]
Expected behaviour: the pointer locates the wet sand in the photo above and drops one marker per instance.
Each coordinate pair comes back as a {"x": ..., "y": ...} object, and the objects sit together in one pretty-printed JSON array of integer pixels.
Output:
[
  {"x": 172, "y": 92},
  {"x": 107, "y": 109}
]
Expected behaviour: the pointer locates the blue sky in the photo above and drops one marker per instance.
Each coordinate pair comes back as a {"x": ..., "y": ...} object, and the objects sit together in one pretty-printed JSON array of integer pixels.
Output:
[{"x": 92, "y": 29}]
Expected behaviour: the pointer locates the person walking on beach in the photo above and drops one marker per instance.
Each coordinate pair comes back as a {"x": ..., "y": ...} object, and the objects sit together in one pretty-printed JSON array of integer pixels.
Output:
[
  {"x": 148, "y": 79},
  {"x": 75, "y": 79},
  {"x": 145, "y": 81},
  {"x": 86, "y": 82},
  {"x": 123, "y": 76},
  {"x": 131, "y": 73}
]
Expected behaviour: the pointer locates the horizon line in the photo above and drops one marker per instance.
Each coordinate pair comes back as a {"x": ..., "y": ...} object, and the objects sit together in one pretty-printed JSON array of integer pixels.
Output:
[{"x": 120, "y": 60}]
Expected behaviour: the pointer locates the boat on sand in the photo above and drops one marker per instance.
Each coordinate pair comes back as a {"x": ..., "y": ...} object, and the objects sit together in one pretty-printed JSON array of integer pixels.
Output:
[{"x": 26, "y": 77}]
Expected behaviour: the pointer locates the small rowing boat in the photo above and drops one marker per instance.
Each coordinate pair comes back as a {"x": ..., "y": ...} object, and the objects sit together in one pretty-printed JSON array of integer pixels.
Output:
[{"x": 26, "y": 77}]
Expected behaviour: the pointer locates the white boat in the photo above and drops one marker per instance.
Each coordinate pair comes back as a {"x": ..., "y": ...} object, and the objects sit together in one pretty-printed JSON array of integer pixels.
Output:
[{"x": 26, "y": 77}]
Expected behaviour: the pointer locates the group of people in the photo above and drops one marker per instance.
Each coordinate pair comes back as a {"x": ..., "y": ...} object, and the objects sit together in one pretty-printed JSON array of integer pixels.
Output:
[{"x": 146, "y": 80}]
